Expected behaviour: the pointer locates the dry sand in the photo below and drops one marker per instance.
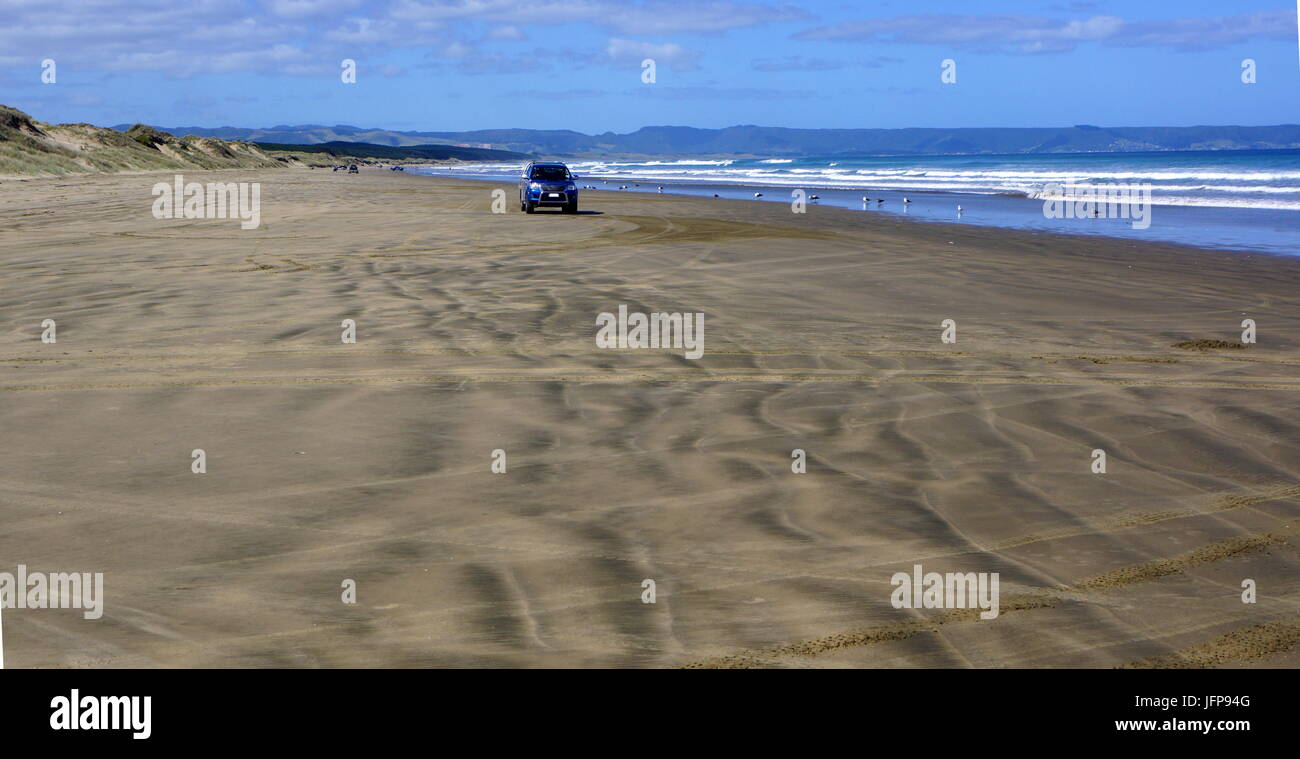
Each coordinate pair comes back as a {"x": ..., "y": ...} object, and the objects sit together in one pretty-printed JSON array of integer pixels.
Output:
[{"x": 476, "y": 332}]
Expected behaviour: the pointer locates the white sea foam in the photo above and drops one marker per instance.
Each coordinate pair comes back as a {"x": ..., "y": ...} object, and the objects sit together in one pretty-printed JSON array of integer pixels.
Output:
[{"x": 1187, "y": 185}]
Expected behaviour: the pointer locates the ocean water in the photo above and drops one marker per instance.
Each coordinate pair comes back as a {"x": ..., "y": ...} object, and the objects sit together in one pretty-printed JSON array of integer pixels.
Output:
[{"x": 1246, "y": 200}]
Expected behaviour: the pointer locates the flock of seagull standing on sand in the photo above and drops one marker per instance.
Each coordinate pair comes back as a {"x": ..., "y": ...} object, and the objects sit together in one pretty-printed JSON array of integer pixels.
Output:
[{"x": 757, "y": 195}]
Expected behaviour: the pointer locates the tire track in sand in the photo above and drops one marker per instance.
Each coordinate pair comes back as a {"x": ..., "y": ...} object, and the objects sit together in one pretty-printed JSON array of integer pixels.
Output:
[
  {"x": 632, "y": 377},
  {"x": 1137, "y": 573}
]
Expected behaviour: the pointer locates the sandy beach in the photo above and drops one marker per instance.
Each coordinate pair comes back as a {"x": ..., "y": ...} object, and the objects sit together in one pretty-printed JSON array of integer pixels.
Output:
[{"x": 372, "y": 461}]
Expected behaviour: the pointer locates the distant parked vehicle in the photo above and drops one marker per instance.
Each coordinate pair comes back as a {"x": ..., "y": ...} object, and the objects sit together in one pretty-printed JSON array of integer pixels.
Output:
[
  {"x": 352, "y": 169},
  {"x": 547, "y": 184}
]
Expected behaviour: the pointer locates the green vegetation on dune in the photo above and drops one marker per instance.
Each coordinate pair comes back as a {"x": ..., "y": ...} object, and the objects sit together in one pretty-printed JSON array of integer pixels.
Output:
[{"x": 33, "y": 148}]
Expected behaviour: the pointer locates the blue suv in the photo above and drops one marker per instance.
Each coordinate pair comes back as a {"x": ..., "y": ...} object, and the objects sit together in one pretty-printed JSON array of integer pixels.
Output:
[{"x": 547, "y": 184}]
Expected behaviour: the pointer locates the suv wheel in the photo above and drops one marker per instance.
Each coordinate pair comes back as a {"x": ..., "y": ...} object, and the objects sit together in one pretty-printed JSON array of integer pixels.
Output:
[
  {"x": 571, "y": 206},
  {"x": 529, "y": 207}
]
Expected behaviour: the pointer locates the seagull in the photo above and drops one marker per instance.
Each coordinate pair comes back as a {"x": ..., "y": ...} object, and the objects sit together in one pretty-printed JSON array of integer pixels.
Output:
[
  {"x": 758, "y": 194},
  {"x": 661, "y": 188},
  {"x": 715, "y": 194},
  {"x": 959, "y": 210},
  {"x": 814, "y": 198},
  {"x": 905, "y": 200},
  {"x": 880, "y": 200}
]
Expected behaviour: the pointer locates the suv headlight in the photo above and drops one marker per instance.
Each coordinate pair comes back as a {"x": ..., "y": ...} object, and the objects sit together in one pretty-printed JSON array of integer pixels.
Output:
[{"x": 534, "y": 186}]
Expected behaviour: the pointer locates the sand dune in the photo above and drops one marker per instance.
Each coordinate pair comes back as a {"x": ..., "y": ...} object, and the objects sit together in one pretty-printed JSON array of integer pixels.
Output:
[
  {"x": 32, "y": 148},
  {"x": 476, "y": 332}
]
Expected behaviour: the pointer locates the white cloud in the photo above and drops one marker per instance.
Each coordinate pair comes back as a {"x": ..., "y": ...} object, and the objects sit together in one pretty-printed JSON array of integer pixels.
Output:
[
  {"x": 512, "y": 33},
  {"x": 647, "y": 18},
  {"x": 184, "y": 37},
  {"x": 310, "y": 8},
  {"x": 1033, "y": 34},
  {"x": 629, "y": 52}
]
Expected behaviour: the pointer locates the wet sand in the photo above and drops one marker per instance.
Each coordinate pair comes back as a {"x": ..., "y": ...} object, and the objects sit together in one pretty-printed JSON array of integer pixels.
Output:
[{"x": 475, "y": 331}]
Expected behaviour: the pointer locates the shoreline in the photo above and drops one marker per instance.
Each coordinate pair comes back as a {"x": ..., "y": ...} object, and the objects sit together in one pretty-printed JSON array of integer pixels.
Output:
[
  {"x": 1227, "y": 226},
  {"x": 1076, "y": 237}
]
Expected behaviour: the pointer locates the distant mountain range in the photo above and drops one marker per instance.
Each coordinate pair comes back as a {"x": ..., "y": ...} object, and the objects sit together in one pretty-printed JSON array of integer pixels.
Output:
[{"x": 671, "y": 141}]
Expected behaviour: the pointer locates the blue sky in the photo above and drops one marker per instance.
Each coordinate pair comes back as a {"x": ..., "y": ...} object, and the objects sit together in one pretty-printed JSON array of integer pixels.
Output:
[{"x": 576, "y": 64}]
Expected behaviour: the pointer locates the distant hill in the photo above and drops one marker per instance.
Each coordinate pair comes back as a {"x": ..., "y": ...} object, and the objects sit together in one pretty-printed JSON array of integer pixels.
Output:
[
  {"x": 671, "y": 141},
  {"x": 32, "y": 148},
  {"x": 520, "y": 140},
  {"x": 389, "y": 153}
]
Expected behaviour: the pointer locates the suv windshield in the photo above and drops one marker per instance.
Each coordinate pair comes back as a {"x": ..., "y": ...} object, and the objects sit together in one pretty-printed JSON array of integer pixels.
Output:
[{"x": 550, "y": 173}]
